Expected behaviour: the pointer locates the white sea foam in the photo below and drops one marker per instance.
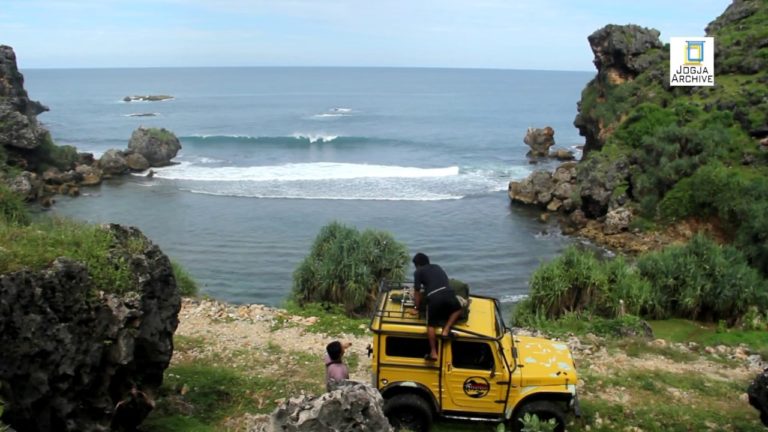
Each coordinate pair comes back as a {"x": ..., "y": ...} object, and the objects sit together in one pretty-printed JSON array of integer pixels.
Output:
[
  {"x": 326, "y": 115},
  {"x": 513, "y": 298},
  {"x": 326, "y": 196},
  {"x": 207, "y": 160},
  {"x": 297, "y": 172},
  {"x": 314, "y": 138}
]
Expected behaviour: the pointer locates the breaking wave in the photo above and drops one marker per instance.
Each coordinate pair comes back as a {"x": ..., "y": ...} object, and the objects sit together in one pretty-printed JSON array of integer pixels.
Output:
[
  {"x": 337, "y": 181},
  {"x": 294, "y": 139}
]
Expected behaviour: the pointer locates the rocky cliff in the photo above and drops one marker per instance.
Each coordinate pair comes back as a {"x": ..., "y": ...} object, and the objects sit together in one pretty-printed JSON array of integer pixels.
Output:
[
  {"x": 77, "y": 357},
  {"x": 18, "y": 114}
]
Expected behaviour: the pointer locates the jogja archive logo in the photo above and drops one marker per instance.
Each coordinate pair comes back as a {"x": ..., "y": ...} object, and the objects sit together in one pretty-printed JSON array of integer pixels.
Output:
[{"x": 691, "y": 61}]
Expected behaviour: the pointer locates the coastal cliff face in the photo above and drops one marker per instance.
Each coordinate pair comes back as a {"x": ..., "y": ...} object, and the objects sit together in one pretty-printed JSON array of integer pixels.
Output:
[
  {"x": 621, "y": 54},
  {"x": 659, "y": 154},
  {"x": 18, "y": 114},
  {"x": 76, "y": 358}
]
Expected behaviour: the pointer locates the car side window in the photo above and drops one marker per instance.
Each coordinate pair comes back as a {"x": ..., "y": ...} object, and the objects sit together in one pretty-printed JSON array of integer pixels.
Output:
[
  {"x": 406, "y": 347},
  {"x": 472, "y": 355}
]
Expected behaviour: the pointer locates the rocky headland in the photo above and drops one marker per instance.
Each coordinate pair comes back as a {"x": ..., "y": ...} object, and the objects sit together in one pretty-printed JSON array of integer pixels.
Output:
[
  {"x": 643, "y": 138},
  {"x": 37, "y": 169}
]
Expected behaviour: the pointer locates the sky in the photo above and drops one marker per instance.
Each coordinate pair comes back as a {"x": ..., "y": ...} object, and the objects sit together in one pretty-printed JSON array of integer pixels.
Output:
[{"x": 499, "y": 34}]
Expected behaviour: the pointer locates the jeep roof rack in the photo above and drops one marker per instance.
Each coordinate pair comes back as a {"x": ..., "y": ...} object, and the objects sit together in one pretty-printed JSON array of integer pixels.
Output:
[{"x": 393, "y": 302}]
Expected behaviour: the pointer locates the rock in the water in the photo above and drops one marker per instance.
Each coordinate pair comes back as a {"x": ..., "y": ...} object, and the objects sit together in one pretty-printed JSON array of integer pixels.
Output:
[
  {"x": 540, "y": 140},
  {"x": 758, "y": 395},
  {"x": 142, "y": 115},
  {"x": 158, "y": 146},
  {"x": 136, "y": 162},
  {"x": 147, "y": 98},
  {"x": 562, "y": 155},
  {"x": 113, "y": 162},
  {"x": 74, "y": 359},
  {"x": 351, "y": 407},
  {"x": 545, "y": 190},
  {"x": 92, "y": 175}
]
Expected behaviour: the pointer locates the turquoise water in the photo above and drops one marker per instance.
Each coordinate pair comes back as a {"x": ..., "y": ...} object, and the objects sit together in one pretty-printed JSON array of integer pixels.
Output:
[{"x": 270, "y": 155}]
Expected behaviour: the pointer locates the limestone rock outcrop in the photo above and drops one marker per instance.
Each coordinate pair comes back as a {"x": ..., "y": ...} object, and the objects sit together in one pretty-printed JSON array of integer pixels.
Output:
[
  {"x": 621, "y": 53},
  {"x": 539, "y": 140},
  {"x": 113, "y": 162},
  {"x": 18, "y": 114},
  {"x": 351, "y": 407},
  {"x": 157, "y": 146},
  {"x": 553, "y": 191},
  {"x": 78, "y": 359},
  {"x": 619, "y": 50}
]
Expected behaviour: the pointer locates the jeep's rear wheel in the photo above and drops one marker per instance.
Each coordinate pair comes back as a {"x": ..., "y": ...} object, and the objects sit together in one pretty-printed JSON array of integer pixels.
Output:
[
  {"x": 544, "y": 410},
  {"x": 408, "y": 412}
]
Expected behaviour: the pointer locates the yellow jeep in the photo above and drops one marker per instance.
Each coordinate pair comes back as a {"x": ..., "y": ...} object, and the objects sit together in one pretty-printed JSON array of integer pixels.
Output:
[{"x": 483, "y": 373}]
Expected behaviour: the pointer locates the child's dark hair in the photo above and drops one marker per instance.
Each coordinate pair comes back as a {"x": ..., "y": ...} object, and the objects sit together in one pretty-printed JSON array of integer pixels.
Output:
[
  {"x": 420, "y": 260},
  {"x": 334, "y": 350}
]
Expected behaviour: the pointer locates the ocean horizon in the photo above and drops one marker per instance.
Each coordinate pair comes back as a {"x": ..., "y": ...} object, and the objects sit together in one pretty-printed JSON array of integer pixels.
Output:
[{"x": 271, "y": 154}]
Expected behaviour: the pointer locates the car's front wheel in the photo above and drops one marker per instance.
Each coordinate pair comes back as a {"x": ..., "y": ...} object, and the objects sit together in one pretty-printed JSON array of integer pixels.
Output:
[{"x": 408, "y": 412}]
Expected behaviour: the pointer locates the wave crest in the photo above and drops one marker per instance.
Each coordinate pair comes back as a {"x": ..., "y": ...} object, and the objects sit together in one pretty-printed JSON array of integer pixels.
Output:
[{"x": 298, "y": 171}]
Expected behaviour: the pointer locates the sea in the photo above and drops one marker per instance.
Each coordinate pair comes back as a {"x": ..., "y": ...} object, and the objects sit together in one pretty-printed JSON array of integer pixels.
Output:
[{"x": 271, "y": 155}]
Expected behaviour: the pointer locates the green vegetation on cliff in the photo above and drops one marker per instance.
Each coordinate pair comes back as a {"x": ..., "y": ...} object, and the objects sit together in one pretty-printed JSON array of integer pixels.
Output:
[{"x": 684, "y": 153}]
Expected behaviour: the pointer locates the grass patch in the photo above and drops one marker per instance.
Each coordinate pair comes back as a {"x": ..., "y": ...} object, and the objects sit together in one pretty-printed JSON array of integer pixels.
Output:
[
  {"x": 679, "y": 330},
  {"x": 637, "y": 347},
  {"x": 36, "y": 246},
  {"x": 331, "y": 319},
  {"x": 161, "y": 134},
  {"x": 187, "y": 343},
  {"x": 704, "y": 404},
  {"x": 201, "y": 394},
  {"x": 187, "y": 285}
]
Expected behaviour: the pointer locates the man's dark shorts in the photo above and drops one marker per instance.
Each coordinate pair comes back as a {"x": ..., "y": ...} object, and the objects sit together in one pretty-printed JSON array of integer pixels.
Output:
[{"x": 440, "y": 306}]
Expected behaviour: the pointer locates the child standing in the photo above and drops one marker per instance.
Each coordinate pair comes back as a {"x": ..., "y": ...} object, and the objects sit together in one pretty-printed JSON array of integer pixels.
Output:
[{"x": 335, "y": 369}]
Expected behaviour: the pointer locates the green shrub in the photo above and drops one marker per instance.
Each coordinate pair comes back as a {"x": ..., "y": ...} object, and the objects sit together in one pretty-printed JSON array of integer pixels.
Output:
[
  {"x": 670, "y": 154},
  {"x": 643, "y": 121},
  {"x": 184, "y": 281},
  {"x": 578, "y": 281},
  {"x": 532, "y": 423},
  {"x": 50, "y": 155},
  {"x": 735, "y": 196},
  {"x": 700, "y": 280},
  {"x": 704, "y": 281},
  {"x": 345, "y": 267},
  {"x": 12, "y": 208}
]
